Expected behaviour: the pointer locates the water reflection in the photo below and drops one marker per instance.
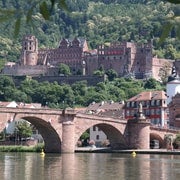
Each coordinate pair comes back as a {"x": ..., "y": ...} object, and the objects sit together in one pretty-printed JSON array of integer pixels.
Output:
[{"x": 31, "y": 166}]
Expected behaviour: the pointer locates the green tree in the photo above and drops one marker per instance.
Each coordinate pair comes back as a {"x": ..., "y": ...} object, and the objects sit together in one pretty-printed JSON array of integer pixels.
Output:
[
  {"x": 98, "y": 73},
  {"x": 2, "y": 63},
  {"x": 170, "y": 52},
  {"x": 64, "y": 69},
  {"x": 68, "y": 95},
  {"x": 115, "y": 93},
  {"x": 151, "y": 84},
  {"x": 29, "y": 87},
  {"x": 24, "y": 129},
  {"x": 176, "y": 142},
  {"x": 79, "y": 88},
  {"x": 6, "y": 88},
  {"x": 112, "y": 74}
]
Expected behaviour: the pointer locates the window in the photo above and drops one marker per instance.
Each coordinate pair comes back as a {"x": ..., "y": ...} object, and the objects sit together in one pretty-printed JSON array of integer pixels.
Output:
[
  {"x": 94, "y": 128},
  {"x": 158, "y": 111},
  {"x": 157, "y": 121},
  {"x": 152, "y": 103},
  {"x": 135, "y": 104},
  {"x": 143, "y": 103},
  {"x": 97, "y": 137},
  {"x": 152, "y": 121},
  {"x": 132, "y": 113},
  {"x": 132, "y": 104},
  {"x": 152, "y": 111},
  {"x": 147, "y": 112},
  {"x": 158, "y": 102}
]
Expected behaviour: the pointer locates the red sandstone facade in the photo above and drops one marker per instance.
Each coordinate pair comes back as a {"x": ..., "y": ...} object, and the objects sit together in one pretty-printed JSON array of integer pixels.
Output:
[
  {"x": 68, "y": 52},
  {"x": 126, "y": 58}
]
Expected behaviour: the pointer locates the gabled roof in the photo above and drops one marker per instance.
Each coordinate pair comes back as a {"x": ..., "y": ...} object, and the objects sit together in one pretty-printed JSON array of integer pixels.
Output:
[
  {"x": 105, "y": 106},
  {"x": 110, "y": 109},
  {"x": 149, "y": 95},
  {"x": 69, "y": 42}
]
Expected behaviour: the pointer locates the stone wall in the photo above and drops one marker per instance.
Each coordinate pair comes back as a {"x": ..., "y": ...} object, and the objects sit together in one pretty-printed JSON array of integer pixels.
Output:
[
  {"x": 157, "y": 64},
  {"x": 91, "y": 80},
  {"x": 18, "y": 70}
]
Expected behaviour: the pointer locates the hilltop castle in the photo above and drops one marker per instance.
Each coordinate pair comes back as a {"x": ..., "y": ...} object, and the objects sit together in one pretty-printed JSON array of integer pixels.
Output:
[{"x": 126, "y": 58}]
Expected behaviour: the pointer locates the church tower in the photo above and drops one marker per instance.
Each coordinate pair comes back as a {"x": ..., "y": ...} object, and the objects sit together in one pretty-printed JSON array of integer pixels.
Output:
[
  {"x": 29, "y": 53},
  {"x": 173, "y": 87}
]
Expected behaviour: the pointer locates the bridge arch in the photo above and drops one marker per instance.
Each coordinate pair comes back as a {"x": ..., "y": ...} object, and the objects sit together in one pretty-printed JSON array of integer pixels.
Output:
[
  {"x": 155, "y": 136},
  {"x": 113, "y": 130},
  {"x": 50, "y": 136},
  {"x": 116, "y": 138}
]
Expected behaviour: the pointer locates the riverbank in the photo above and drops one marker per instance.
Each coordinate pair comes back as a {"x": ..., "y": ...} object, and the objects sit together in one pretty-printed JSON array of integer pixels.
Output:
[
  {"x": 36, "y": 148},
  {"x": 39, "y": 147},
  {"x": 138, "y": 151}
]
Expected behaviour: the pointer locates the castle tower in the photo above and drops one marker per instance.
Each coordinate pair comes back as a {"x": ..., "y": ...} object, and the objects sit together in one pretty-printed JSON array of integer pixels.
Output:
[
  {"x": 29, "y": 53},
  {"x": 148, "y": 60}
]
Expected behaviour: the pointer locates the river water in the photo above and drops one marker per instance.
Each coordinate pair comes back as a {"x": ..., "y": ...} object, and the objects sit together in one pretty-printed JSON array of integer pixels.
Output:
[{"x": 88, "y": 166}]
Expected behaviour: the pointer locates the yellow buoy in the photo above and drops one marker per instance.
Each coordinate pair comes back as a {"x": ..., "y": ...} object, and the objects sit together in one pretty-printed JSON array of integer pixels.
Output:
[
  {"x": 42, "y": 153},
  {"x": 133, "y": 154}
]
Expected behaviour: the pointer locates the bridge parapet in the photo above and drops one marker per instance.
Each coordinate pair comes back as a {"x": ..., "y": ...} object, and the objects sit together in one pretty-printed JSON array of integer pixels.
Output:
[
  {"x": 101, "y": 118},
  {"x": 167, "y": 130},
  {"x": 37, "y": 111}
]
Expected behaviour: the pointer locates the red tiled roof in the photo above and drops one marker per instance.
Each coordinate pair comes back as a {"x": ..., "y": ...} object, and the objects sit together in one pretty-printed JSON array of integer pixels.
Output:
[
  {"x": 4, "y": 104},
  {"x": 111, "y": 109},
  {"x": 149, "y": 95},
  {"x": 105, "y": 105}
]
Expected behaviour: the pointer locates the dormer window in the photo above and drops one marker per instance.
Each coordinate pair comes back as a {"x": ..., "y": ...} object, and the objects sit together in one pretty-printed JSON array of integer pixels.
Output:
[
  {"x": 152, "y": 102},
  {"x": 132, "y": 104},
  {"x": 158, "y": 102}
]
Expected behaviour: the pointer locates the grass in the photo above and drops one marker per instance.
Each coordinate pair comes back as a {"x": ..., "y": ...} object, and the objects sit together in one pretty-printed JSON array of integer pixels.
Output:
[{"x": 14, "y": 148}]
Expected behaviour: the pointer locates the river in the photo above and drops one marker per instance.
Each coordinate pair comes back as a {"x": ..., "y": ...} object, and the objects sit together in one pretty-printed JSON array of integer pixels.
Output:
[{"x": 88, "y": 166}]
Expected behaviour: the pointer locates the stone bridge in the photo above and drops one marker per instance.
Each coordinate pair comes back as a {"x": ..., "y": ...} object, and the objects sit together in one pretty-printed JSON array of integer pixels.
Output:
[
  {"x": 160, "y": 133},
  {"x": 61, "y": 129}
]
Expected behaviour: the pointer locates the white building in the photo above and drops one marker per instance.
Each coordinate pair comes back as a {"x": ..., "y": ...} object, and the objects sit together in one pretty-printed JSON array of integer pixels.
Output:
[
  {"x": 98, "y": 136},
  {"x": 172, "y": 88}
]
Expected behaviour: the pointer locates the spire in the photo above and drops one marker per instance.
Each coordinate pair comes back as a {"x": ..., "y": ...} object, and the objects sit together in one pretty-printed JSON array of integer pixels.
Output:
[
  {"x": 174, "y": 75},
  {"x": 174, "y": 72}
]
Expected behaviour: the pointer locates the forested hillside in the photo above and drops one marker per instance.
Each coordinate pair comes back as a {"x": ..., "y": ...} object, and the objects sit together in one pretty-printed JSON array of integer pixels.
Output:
[
  {"x": 78, "y": 94},
  {"x": 99, "y": 21}
]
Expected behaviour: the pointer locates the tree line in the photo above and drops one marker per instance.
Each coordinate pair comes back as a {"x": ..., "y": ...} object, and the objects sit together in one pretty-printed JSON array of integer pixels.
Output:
[{"x": 79, "y": 94}]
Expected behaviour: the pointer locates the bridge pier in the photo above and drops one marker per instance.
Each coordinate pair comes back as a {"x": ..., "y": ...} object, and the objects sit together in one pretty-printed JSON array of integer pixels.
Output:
[
  {"x": 139, "y": 132},
  {"x": 67, "y": 145}
]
